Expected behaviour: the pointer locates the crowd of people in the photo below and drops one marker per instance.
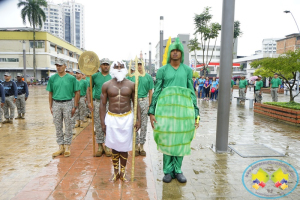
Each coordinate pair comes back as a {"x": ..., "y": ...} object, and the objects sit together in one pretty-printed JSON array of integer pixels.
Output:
[{"x": 208, "y": 88}]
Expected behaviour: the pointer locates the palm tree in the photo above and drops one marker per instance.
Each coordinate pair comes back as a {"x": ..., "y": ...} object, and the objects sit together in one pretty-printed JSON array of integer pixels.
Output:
[{"x": 36, "y": 16}]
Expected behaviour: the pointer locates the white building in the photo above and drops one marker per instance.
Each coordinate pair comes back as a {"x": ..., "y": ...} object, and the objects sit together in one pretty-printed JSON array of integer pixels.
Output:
[
  {"x": 268, "y": 50},
  {"x": 269, "y": 45},
  {"x": 66, "y": 21},
  {"x": 213, "y": 57},
  {"x": 54, "y": 20}
]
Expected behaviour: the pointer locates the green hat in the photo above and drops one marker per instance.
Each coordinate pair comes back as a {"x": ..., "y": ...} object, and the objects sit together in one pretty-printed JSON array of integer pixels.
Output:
[{"x": 176, "y": 45}]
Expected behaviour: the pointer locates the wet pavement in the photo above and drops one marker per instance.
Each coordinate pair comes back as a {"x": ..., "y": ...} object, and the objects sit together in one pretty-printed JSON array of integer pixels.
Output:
[{"x": 27, "y": 170}]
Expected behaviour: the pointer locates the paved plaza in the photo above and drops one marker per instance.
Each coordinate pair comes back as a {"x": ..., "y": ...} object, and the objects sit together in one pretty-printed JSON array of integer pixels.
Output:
[{"x": 27, "y": 170}]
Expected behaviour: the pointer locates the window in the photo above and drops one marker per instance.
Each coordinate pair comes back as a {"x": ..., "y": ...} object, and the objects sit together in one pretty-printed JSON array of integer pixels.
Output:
[
  {"x": 9, "y": 59},
  {"x": 38, "y": 44},
  {"x": 59, "y": 50}
]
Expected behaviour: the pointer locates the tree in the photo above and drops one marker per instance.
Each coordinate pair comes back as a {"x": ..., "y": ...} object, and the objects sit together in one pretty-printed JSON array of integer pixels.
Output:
[
  {"x": 286, "y": 66},
  {"x": 36, "y": 17},
  {"x": 207, "y": 32}
]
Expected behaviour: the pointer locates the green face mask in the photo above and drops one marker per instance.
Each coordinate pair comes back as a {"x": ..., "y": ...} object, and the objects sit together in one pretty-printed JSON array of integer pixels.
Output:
[{"x": 176, "y": 45}]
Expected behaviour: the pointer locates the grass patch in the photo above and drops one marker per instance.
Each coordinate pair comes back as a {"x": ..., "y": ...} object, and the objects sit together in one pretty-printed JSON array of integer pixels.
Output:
[{"x": 291, "y": 105}]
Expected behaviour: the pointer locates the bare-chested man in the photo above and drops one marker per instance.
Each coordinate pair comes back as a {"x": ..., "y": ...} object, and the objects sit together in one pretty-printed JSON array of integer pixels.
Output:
[{"x": 117, "y": 123}]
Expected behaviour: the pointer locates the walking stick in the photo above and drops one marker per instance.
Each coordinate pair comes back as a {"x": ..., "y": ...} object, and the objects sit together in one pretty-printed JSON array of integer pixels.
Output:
[
  {"x": 89, "y": 64},
  {"x": 136, "y": 75},
  {"x": 92, "y": 113}
]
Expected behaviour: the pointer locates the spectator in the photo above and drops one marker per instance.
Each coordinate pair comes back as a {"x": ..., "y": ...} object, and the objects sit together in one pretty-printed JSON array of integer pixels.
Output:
[
  {"x": 214, "y": 89},
  {"x": 194, "y": 83},
  {"x": 201, "y": 88},
  {"x": 275, "y": 86},
  {"x": 243, "y": 85},
  {"x": 206, "y": 86}
]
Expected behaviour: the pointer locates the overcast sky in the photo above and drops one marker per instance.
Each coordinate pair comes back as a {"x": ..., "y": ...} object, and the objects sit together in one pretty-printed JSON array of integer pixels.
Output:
[{"x": 122, "y": 28}]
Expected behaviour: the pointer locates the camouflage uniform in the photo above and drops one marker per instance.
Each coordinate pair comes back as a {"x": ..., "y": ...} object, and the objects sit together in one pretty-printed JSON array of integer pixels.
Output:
[
  {"x": 100, "y": 138},
  {"x": 62, "y": 112},
  {"x": 1, "y": 113},
  {"x": 81, "y": 111},
  {"x": 21, "y": 104},
  {"x": 242, "y": 93},
  {"x": 74, "y": 116},
  {"x": 9, "y": 104},
  {"x": 144, "y": 105},
  {"x": 258, "y": 96}
]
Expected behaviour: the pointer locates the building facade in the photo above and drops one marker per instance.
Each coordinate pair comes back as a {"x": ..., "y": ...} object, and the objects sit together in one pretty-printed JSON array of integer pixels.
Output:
[
  {"x": 66, "y": 21},
  {"x": 48, "y": 47},
  {"x": 212, "y": 57},
  {"x": 289, "y": 43},
  {"x": 184, "y": 38},
  {"x": 269, "y": 46}
]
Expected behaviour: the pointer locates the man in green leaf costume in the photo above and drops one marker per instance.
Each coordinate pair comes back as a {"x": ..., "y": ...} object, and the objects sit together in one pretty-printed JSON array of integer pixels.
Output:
[{"x": 173, "y": 112}]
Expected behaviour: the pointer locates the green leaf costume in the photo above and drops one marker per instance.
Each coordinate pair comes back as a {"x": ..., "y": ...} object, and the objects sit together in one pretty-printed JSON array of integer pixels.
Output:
[{"x": 174, "y": 105}]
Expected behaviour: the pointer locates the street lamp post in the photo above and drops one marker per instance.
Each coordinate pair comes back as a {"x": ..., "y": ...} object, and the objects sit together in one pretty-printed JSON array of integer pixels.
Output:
[
  {"x": 161, "y": 41},
  {"x": 24, "y": 60},
  {"x": 150, "y": 58},
  {"x": 287, "y": 11}
]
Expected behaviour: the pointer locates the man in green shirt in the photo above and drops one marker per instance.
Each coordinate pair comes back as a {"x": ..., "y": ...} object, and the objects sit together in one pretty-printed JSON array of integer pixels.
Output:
[
  {"x": 243, "y": 85},
  {"x": 70, "y": 71},
  {"x": 83, "y": 85},
  {"x": 178, "y": 76},
  {"x": 98, "y": 80},
  {"x": 132, "y": 72},
  {"x": 87, "y": 111},
  {"x": 232, "y": 84},
  {"x": 61, "y": 87},
  {"x": 145, "y": 87},
  {"x": 258, "y": 85},
  {"x": 275, "y": 86}
]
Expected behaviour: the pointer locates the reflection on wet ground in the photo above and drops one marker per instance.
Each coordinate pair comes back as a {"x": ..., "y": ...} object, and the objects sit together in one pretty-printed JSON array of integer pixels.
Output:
[{"x": 27, "y": 170}]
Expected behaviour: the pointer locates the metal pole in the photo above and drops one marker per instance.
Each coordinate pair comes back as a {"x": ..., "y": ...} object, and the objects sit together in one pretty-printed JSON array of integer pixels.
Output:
[
  {"x": 161, "y": 47},
  {"x": 295, "y": 21},
  {"x": 150, "y": 59},
  {"x": 24, "y": 61},
  {"x": 225, "y": 75}
]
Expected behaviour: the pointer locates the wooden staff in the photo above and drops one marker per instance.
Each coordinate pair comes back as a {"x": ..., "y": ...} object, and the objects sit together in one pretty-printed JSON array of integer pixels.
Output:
[
  {"x": 136, "y": 75},
  {"x": 89, "y": 64},
  {"x": 92, "y": 113}
]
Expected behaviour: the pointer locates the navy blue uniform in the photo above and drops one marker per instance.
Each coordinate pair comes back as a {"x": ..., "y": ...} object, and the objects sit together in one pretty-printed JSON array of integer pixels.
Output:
[
  {"x": 22, "y": 88},
  {"x": 10, "y": 89},
  {"x": 11, "y": 93},
  {"x": 2, "y": 93}
]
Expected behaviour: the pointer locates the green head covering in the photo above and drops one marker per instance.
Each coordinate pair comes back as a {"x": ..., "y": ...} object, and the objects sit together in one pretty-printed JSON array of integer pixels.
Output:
[{"x": 176, "y": 45}]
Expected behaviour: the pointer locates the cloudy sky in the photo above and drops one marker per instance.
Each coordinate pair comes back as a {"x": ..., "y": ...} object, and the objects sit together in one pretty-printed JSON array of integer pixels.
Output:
[{"x": 122, "y": 28}]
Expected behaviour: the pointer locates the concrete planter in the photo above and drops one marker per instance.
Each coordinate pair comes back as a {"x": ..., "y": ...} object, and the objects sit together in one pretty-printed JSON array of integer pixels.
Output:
[{"x": 283, "y": 114}]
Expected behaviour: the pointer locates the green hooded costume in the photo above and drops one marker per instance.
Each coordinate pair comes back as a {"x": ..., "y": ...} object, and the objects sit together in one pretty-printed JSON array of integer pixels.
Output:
[{"x": 174, "y": 105}]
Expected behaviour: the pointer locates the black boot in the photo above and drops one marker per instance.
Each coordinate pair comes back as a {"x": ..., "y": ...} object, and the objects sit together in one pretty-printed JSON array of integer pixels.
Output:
[
  {"x": 167, "y": 178},
  {"x": 181, "y": 178}
]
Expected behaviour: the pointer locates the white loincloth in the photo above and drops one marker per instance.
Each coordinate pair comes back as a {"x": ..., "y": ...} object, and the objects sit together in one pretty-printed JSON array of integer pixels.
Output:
[{"x": 119, "y": 129}]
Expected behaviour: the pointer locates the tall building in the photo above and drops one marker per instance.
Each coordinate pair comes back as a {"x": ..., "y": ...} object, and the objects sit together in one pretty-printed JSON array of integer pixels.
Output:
[{"x": 66, "y": 21}]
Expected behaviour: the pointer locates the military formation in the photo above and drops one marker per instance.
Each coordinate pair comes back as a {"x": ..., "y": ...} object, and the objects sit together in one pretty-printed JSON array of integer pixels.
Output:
[{"x": 13, "y": 94}]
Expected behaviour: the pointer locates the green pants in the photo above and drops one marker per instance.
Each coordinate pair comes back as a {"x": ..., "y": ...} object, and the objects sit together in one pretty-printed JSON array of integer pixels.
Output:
[{"x": 172, "y": 164}]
